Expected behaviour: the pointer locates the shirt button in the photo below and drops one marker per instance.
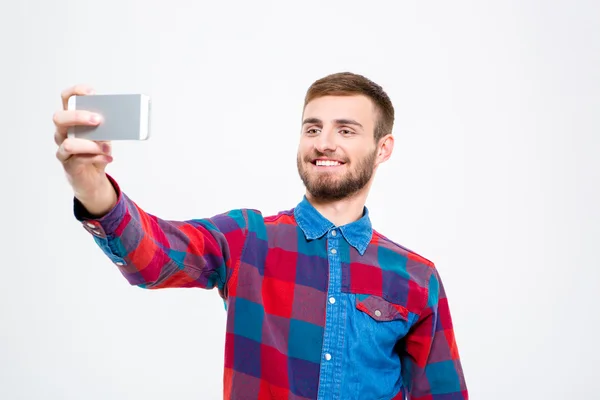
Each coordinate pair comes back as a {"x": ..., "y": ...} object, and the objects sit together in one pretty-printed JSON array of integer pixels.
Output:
[
  {"x": 327, "y": 356},
  {"x": 332, "y": 300},
  {"x": 378, "y": 313},
  {"x": 333, "y": 233},
  {"x": 333, "y": 251}
]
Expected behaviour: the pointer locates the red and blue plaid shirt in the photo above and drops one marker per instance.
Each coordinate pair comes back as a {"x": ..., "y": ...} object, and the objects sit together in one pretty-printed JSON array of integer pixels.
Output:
[{"x": 314, "y": 311}]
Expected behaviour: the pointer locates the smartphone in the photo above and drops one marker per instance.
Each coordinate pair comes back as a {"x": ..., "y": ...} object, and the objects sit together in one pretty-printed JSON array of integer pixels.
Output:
[{"x": 124, "y": 116}]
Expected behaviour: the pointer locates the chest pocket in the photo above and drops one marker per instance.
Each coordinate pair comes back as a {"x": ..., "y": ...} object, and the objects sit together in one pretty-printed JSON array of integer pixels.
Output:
[
  {"x": 380, "y": 309},
  {"x": 379, "y": 321},
  {"x": 374, "y": 330}
]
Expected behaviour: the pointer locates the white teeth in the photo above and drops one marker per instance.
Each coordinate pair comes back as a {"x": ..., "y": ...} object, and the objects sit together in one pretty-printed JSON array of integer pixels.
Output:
[{"x": 327, "y": 163}]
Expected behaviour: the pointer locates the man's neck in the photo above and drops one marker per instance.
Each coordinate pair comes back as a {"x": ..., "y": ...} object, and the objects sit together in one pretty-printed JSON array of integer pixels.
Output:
[{"x": 341, "y": 212}]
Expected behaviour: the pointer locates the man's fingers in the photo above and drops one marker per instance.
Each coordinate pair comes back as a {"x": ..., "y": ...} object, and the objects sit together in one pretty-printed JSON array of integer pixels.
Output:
[
  {"x": 59, "y": 138},
  {"x": 75, "y": 152},
  {"x": 105, "y": 146},
  {"x": 86, "y": 159},
  {"x": 64, "y": 119},
  {"x": 77, "y": 90},
  {"x": 75, "y": 146}
]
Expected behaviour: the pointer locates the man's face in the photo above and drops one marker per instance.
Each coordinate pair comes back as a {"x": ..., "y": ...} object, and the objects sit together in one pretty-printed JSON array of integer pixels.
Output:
[{"x": 337, "y": 154}]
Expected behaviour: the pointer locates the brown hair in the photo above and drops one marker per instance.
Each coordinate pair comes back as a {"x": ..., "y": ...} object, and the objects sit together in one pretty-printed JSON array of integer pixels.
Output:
[{"x": 348, "y": 84}]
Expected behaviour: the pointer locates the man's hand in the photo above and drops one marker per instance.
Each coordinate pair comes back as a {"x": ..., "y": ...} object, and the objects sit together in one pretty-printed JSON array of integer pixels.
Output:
[{"x": 84, "y": 161}]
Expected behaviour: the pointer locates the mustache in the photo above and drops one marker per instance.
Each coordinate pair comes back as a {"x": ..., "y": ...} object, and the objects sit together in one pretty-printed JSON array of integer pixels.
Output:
[{"x": 316, "y": 154}]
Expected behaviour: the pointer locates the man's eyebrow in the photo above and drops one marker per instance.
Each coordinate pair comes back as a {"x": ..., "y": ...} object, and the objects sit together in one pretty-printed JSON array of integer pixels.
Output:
[
  {"x": 312, "y": 121},
  {"x": 347, "y": 122},
  {"x": 342, "y": 121}
]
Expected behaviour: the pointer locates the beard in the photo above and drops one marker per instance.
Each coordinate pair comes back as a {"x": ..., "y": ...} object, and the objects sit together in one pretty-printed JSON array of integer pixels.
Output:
[{"x": 327, "y": 187}]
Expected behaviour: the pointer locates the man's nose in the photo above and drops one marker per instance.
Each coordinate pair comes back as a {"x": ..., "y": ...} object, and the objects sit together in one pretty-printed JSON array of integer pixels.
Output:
[{"x": 325, "y": 141}]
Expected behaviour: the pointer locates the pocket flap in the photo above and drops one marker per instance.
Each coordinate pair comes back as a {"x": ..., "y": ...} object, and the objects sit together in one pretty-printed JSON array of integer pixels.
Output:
[{"x": 380, "y": 309}]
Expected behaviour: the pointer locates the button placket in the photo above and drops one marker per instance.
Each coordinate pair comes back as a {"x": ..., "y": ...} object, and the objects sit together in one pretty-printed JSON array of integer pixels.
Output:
[
  {"x": 335, "y": 316},
  {"x": 333, "y": 251}
]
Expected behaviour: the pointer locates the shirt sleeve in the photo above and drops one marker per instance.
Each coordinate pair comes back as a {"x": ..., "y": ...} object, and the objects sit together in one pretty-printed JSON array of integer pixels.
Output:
[
  {"x": 431, "y": 365},
  {"x": 154, "y": 253}
]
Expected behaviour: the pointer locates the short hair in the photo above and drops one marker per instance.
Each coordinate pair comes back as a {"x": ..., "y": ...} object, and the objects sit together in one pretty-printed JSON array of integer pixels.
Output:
[{"x": 349, "y": 84}]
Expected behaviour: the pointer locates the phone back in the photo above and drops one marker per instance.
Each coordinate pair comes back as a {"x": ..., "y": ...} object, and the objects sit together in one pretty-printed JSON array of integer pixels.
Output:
[{"x": 124, "y": 116}]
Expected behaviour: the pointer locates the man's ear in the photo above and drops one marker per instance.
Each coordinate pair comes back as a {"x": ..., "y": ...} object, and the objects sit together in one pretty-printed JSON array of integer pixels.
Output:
[{"x": 385, "y": 148}]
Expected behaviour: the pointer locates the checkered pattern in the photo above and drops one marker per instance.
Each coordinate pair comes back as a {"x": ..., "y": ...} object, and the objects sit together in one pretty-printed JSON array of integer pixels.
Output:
[{"x": 274, "y": 280}]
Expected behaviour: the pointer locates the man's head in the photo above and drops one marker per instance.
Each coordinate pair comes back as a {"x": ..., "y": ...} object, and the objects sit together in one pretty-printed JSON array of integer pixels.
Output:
[{"x": 346, "y": 133}]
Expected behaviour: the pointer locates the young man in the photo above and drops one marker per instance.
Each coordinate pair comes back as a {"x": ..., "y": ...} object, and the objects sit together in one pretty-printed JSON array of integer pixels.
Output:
[{"x": 319, "y": 305}]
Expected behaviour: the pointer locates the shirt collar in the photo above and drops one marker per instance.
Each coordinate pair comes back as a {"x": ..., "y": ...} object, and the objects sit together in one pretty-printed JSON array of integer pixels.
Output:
[{"x": 315, "y": 225}]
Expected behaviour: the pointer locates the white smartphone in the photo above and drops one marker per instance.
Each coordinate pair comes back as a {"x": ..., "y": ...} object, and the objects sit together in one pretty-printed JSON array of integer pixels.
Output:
[{"x": 124, "y": 116}]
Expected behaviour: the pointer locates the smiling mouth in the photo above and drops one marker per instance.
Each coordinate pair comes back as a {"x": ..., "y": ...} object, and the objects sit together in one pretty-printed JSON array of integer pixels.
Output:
[{"x": 327, "y": 163}]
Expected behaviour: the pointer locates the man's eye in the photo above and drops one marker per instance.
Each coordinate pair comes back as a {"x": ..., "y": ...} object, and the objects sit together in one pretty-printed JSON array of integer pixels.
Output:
[
  {"x": 312, "y": 131},
  {"x": 346, "y": 132}
]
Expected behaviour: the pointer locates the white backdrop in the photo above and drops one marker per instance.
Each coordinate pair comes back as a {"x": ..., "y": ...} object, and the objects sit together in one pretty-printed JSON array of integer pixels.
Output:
[{"x": 495, "y": 177}]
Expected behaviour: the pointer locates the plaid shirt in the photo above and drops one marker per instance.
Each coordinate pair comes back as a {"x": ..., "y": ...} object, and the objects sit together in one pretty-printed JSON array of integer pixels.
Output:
[{"x": 314, "y": 311}]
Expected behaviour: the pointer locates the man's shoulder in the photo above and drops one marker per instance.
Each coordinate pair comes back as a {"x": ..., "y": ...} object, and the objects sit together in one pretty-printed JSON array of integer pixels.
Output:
[
  {"x": 253, "y": 217},
  {"x": 402, "y": 261},
  {"x": 283, "y": 216},
  {"x": 411, "y": 256}
]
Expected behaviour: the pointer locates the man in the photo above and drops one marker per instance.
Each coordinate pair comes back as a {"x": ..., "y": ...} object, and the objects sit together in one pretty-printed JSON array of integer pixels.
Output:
[{"x": 319, "y": 305}]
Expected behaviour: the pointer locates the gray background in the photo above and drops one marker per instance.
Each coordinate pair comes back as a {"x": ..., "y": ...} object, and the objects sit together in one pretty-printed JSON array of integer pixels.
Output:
[{"x": 495, "y": 177}]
